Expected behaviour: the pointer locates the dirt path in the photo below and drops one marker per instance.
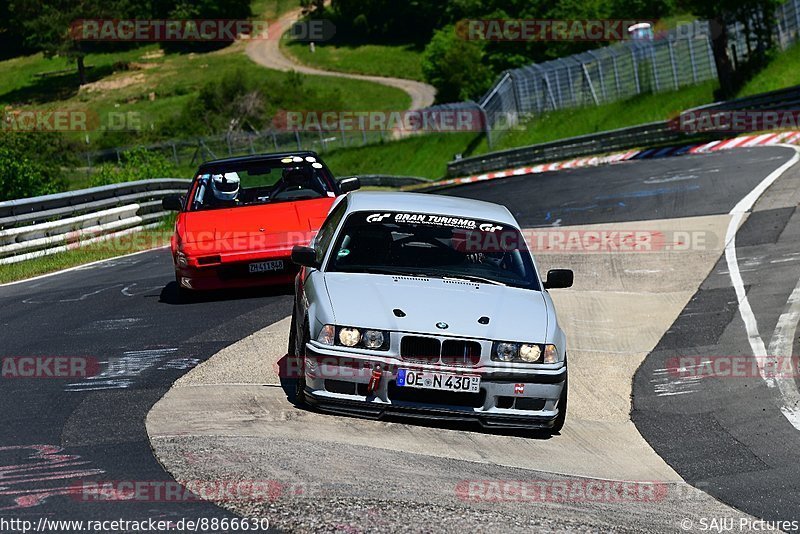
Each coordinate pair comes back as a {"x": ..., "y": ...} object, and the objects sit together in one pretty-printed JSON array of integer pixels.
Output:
[{"x": 268, "y": 53}]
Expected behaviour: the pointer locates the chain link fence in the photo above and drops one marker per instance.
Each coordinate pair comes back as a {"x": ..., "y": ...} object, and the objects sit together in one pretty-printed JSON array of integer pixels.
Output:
[
  {"x": 195, "y": 151},
  {"x": 681, "y": 57}
]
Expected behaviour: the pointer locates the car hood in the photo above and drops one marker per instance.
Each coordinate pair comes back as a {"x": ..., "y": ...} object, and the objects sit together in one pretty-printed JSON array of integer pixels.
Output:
[
  {"x": 369, "y": 301},
  {"x": 284, "y": 221}
]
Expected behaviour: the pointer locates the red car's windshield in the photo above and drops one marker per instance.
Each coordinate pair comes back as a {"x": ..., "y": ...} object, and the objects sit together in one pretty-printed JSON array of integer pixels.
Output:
[{"x": 246, "y": 184}]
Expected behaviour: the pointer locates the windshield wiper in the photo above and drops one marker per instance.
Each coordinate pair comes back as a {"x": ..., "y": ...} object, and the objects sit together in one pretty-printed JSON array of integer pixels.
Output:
[{"x": 471, "y": 278}]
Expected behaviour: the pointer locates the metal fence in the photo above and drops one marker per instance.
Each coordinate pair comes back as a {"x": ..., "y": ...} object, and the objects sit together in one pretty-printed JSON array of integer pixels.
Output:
[
  {"x": 680, "y": 58},
  {"x": 642, "y": 135},
  {"x": 195, "y": 151},
  {"x": 40, "y": 226}
]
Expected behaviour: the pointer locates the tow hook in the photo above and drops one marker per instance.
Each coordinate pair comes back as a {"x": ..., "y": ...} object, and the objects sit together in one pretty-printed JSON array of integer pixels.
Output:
[{"x": 375, "y": 379}]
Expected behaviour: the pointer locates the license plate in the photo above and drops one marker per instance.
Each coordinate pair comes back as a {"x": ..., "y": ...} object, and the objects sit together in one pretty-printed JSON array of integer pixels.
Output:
[
  {"x": 266, "y": 266},
  {"x": 438, "y": 381}
]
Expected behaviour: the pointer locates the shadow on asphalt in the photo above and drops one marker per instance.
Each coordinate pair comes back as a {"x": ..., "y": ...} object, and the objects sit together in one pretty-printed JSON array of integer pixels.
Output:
[
  {"x": 171, "y": 295},
  {"x": 289, "y": 385}
]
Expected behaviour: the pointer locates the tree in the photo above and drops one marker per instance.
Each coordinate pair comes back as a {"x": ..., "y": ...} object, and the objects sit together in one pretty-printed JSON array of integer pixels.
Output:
[
  {"x": 47, "y": 25},
  {"x": 721, "y": 14},
  {"x": 455, "y": 66}
]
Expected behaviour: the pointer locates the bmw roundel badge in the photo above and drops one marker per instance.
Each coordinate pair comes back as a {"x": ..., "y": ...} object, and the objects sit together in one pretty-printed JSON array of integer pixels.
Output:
[{"x": 442, "y": 326}]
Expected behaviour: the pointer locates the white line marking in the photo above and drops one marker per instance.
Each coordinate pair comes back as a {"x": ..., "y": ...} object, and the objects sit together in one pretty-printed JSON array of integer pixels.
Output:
[
  {"x": 781, "y": 347},
  {"x": 745, "y": 311},
  {"x": 82, "y": 266}
]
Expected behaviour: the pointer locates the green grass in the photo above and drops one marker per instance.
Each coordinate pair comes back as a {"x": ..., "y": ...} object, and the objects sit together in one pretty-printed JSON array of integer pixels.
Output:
[
  {"x": 144, "y": 240},
  {"x": 425, "y": 156},
  {"x": 782, "y": 71},
  {"x": 571, "y": 122},
  {"x": 399, "y": 61},
  {"x": 152, "y": 87},
  {"x": 272, "y": 9}
]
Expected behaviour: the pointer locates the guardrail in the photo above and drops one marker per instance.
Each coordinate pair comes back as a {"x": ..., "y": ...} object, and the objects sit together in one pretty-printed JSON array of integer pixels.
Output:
[
  {"x": 651, "y": 134},
  {"x": 39, "y": 226}
]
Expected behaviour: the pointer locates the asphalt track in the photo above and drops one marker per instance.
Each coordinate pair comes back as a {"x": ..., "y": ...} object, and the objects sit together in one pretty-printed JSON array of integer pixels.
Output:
[
  {"x": 729, "y": 437},
  {"x": 726, "y": 433}
]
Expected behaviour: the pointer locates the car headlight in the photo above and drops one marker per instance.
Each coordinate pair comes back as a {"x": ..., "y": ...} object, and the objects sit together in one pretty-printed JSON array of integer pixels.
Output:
[
  {"x": 183, "y": 260},
  {"x": 361, "y": 338},
  {"x": 326, "y": 335},
  {"x": 529, "y": 353},
  {"x": 373, "y": 339},
  {"x": 506, "y": 352},
  {"x": 349, "y": 337}
]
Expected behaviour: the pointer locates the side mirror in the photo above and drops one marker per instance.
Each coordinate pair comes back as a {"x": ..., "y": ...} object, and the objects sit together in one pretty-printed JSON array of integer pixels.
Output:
[
  {"x": 172, "y": 203},
  {"x": 305, "y": 256},
  {"x": 559, "y": 279},
  {"x": 349, "y": 184}
]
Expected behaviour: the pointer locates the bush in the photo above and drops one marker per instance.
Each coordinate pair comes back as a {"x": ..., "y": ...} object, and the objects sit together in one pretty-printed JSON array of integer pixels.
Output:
[
  {"x": 30, "y": 164},
  {"x": 20, "y": 177},
  {"x": 456, "y": 67},
  {"x": 136, "y": 164}
]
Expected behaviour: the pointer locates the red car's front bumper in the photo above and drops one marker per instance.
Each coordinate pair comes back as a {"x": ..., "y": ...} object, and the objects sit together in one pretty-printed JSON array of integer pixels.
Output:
[{"x": 234, "y": 274}]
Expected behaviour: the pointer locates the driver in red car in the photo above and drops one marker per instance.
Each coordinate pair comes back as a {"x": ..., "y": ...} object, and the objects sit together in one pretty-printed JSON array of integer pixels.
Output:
[{"x": 237, "y": 224}]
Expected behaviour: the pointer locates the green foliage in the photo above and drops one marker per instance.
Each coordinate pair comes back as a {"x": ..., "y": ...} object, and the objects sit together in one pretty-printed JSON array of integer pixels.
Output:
[
  {"x": 21, "y": 177},
  {"x": 30, "y": 164},
  {"x": 240, "y": 101},
  {"x": 455, "y": 66},
  {"x": 136, "y": 164},
  {"x": 399, "y": 61}
]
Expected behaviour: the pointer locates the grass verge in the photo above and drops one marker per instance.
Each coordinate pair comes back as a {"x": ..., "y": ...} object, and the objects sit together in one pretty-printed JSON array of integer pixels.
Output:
[
  {"x": 782, "y": 71},
  {"x": 425, "y": 156},
  {"x": 144, "y": 240}
]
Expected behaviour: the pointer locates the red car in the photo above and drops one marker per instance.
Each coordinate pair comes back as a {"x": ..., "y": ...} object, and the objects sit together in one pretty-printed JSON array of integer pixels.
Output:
[{"x": 241, "y": 217}]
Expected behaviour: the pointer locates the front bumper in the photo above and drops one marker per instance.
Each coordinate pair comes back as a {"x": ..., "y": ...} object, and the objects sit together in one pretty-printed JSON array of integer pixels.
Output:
[
  {"x": 234, "y": 275},
  {"x": 336, "y": 382}
]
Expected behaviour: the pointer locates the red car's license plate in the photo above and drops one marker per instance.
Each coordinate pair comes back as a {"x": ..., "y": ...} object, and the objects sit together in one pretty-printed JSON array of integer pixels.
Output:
[{"x": 266, "y": 266}]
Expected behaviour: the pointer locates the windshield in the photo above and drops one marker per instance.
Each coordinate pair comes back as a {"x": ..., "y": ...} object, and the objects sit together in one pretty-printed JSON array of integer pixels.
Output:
[
  {"x": 260, "y": 182},
  {"x": 433, "y": 245}
]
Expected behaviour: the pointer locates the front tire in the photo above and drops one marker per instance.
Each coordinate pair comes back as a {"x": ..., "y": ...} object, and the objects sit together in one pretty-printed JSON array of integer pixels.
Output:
[{"x": 299, "y": 354}]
